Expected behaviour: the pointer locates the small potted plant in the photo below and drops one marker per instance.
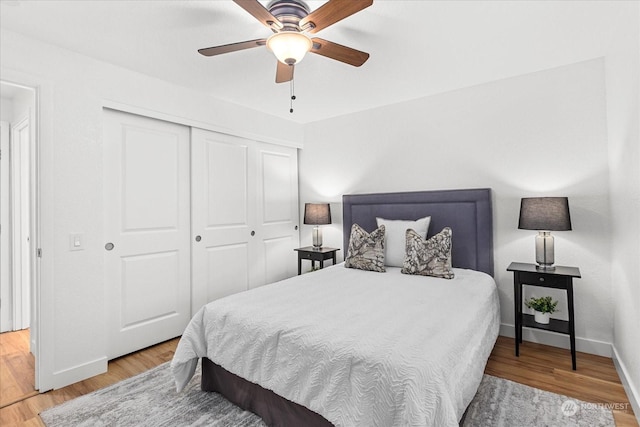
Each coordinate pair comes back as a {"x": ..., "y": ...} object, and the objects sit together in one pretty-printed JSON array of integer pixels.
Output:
[{"x": 542, "y": 307}]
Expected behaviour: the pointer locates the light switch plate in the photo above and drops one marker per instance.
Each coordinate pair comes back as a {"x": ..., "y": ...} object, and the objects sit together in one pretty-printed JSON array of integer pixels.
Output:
[{"x": 76, "y": 242}]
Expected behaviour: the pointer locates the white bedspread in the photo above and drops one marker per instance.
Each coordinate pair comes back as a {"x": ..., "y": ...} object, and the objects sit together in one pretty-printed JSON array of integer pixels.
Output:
[{"x": 359, "y": 348}]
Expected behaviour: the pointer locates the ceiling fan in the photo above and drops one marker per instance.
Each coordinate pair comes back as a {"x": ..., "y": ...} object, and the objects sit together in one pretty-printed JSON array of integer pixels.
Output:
[{"x": 291, "y": 22}]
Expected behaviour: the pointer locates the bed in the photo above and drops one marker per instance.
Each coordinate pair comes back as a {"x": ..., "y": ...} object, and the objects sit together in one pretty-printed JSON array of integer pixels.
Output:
[{"x": 347, "y": 347}]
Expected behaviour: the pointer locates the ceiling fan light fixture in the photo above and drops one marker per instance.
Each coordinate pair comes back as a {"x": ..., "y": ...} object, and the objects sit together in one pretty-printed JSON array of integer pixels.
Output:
[{"x": 289, "y": 46}]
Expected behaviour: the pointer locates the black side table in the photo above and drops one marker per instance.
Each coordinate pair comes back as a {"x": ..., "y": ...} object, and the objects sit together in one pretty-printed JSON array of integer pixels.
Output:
[
  {"x": 560, "y": 278},
  {"x": 315, "y": 254}
]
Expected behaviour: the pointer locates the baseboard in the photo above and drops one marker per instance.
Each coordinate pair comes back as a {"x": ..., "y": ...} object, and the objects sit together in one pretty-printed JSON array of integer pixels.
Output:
[
  {"x": 81, "y": 372},
  {"x": 553, "y": 339},
  {"x": 632, "y": 392}
]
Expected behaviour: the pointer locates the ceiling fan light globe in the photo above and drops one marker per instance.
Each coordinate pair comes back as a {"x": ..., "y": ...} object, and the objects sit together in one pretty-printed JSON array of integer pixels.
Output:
[{"x": 289, "y": 46}]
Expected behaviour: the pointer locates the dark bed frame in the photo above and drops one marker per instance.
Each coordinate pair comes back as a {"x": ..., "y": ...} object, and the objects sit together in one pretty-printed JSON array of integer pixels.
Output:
[{"x": 469, "y": 215}]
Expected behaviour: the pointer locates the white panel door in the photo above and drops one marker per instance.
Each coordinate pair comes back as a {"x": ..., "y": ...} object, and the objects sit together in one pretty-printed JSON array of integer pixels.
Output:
[
  {"x": 223, "y": 214},
  {"x": 277, "y": 212},
  {"x": 20, "y": 141},
  {"x": 147, "y": 231}
]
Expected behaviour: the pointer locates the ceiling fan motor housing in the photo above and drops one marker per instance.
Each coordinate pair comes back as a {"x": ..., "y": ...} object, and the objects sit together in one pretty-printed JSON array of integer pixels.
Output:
[{"x": 289, "y": 13}]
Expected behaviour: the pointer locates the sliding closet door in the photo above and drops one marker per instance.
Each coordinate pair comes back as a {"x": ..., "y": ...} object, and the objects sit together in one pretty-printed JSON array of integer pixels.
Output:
[
  {"x": 223, "y": 215},
  {"x": 244, "y": 214},
  {"x": 277, "y": 211},
  {"x": 147, "y": 231}
]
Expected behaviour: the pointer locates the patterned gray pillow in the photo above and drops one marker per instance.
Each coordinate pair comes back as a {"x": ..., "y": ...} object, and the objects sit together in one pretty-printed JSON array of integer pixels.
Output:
[
  {"x": 431, "y": 257},
  {"x": 366, "y": 250}
]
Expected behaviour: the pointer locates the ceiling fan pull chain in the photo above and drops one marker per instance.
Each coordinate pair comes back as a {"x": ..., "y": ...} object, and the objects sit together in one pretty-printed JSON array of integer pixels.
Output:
[{"x": 293, "y": 97}]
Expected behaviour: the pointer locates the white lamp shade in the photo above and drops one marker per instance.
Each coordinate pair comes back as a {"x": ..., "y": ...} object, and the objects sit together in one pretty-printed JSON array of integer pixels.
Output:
[{"x": 289, "y": 46}]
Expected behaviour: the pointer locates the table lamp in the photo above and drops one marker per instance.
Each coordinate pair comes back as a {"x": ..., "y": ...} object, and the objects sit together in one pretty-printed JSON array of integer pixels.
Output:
[
  {"x": 544, "y": 214},
  {"x": 317, "y": 214}
]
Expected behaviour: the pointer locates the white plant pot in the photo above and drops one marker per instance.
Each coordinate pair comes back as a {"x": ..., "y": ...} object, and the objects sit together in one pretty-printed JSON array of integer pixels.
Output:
[{"x": 541, "y": 317}]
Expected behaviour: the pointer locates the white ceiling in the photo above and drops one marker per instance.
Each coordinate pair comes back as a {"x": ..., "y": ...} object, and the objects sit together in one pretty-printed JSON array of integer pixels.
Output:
[{"x": 417, "y": 48}]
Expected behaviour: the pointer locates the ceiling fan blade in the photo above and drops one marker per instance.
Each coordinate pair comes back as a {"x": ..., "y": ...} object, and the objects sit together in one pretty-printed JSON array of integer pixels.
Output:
[
  {"x": 284, "y": 73},
  {"x": 338, "y": 52},
  {"x": 260, "y": 13},
  {"x": 232, "y": 47},
  {"x": 332, "y": 12}
]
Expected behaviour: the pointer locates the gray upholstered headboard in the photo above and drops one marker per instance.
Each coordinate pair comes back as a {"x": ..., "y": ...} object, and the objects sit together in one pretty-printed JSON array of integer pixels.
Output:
[{"x": 467, "y": 212}]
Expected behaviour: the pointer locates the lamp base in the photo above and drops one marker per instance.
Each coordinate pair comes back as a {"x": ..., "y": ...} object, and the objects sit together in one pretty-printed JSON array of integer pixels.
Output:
[
  {"x": 544, "y": 251},
  {"x": 317, "y": 238}
]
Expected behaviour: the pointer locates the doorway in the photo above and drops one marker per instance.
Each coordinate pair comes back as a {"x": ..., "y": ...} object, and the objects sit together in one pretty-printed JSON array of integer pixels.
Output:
[{"x": 18, "y": 221}]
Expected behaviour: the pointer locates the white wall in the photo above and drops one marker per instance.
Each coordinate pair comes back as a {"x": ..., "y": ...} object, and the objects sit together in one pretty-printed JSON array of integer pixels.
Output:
[
  {"x": 22, "y": 104},
  {"x": 14, "y": 105},
  {"x": 6, "y": 109},
  {"x": 72, "y": 91},
  {"x": 623, "y": 97},
  {"x": 540, "y": 134}
]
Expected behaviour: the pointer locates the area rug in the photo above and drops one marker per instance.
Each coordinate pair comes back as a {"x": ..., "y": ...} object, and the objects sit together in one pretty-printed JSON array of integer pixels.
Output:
[{"x": 150, "y": 399}]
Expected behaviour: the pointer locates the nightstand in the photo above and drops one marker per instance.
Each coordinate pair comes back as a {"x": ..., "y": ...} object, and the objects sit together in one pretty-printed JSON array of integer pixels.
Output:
[
  {"x": 315, "y": 254},
  {"x": 560, "y": 278}
]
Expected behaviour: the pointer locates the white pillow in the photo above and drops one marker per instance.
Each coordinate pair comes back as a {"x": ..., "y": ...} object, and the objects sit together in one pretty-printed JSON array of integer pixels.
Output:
[{"x": 396, "y": 240}]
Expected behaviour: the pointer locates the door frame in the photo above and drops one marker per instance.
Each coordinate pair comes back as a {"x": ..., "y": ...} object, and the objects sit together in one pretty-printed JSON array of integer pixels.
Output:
[
  {"x": 5, "y": 242},
  {"x": 33, "y": 117}
]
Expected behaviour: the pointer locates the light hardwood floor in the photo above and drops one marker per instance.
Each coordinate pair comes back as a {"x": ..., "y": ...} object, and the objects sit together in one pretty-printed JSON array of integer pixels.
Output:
[
  {"x": 25, "y": 412},
  {"x": 16, "y": 368},
  {"x": 549, "y": 368},
  {"x": 540, "y": 366}
]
